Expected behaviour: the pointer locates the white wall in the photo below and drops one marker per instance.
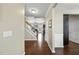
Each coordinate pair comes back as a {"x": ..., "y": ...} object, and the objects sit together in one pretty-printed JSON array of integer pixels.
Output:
[
  {"x": 74, "y": 28},
  {"x": 59, "y": 10},
  {"x": 49, "y": 34},
  {"x": 57, "y": 24},
  {"x": 12, "y": 19}
]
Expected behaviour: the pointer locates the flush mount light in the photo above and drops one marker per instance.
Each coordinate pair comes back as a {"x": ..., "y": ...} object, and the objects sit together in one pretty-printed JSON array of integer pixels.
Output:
[{"x": 33, "y": 11}]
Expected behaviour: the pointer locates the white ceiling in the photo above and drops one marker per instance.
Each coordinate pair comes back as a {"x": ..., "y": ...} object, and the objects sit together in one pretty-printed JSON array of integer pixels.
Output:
[
  {"x": 68, "y": 5},
  {"x": 41, "y": 7}
]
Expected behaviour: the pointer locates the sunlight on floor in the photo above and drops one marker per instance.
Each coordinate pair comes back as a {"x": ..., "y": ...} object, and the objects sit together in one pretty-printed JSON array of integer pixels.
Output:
[{"x": 40, "y": 39}]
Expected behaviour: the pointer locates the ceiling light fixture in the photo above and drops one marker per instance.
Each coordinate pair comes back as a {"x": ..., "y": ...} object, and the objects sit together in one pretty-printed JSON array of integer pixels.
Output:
[{"x": 33, "y": 11}]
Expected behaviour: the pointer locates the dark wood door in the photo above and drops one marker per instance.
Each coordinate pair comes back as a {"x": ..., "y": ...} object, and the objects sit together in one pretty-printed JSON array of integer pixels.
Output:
[{"x": 66, "y": 29}]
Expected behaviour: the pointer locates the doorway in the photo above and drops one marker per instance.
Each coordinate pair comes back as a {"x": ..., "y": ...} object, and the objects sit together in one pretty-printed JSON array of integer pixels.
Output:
[
  {"x": 71, "y": 35},
  {"x": 71, "y": 28},
  {"x": 66, "y": 29}
]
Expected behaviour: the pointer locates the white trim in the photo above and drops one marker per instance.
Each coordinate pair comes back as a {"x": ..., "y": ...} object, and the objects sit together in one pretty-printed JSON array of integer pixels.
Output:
[
  {"x": 53, "y": 51},
  {"x": 30, "y": 39},
  {"x": 58, "y": 40},
  {"x": 74, "y": 41},
  {"x": 24, "y": 53},
  {"x": 59, "y": 46}
]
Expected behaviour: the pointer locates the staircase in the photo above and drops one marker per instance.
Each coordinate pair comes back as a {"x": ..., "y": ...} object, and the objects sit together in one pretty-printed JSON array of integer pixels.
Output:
[{"x": 30, "y": 31}]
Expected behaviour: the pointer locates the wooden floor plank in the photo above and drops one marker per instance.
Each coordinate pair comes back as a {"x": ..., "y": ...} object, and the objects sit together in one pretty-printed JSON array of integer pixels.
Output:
[
  {"x": 71, "y": 49},
  {"x": 32, "y": 48}
]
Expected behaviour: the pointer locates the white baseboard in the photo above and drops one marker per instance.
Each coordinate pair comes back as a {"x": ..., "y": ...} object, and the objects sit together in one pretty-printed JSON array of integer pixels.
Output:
[
  {"x": 59, "y": 46},
  {"x": 53, "y": 51},
  {"x": 24, "y": 53},
  {"x": 74, "y": 41},
  {"x": 30, "y": 39}
]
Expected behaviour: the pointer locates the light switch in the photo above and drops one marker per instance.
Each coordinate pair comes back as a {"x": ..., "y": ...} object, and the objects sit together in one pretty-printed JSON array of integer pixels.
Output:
[{"x": 7, "y": 34}]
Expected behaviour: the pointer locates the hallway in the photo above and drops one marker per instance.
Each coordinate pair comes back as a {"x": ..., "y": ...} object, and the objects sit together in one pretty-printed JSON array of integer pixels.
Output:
[
  {"x": 38, "y": 20},
  {"x": 32, "y": 48}
]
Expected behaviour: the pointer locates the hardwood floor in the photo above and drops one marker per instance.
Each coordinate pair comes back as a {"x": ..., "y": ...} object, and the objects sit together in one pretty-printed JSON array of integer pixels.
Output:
[
  {"x": 71, "y": 49},
  {"x": 32, "y": 48}
]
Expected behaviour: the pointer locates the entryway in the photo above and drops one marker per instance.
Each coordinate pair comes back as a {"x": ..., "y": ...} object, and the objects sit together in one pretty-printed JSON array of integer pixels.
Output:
[{"x": 71, "y": 35}]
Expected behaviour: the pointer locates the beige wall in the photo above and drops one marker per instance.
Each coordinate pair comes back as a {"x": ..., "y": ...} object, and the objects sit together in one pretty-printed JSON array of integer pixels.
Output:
[
  {"x": 12, "y": 19},
  {"x": 57, "y": 25},
  {"x": 74, "y": 28}
]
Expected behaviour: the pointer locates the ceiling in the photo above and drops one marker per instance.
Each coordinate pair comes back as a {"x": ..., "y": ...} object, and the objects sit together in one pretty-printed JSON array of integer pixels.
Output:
[
  {"x": 68, "y": 5},
  {"x": 41, "y": 7}
]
